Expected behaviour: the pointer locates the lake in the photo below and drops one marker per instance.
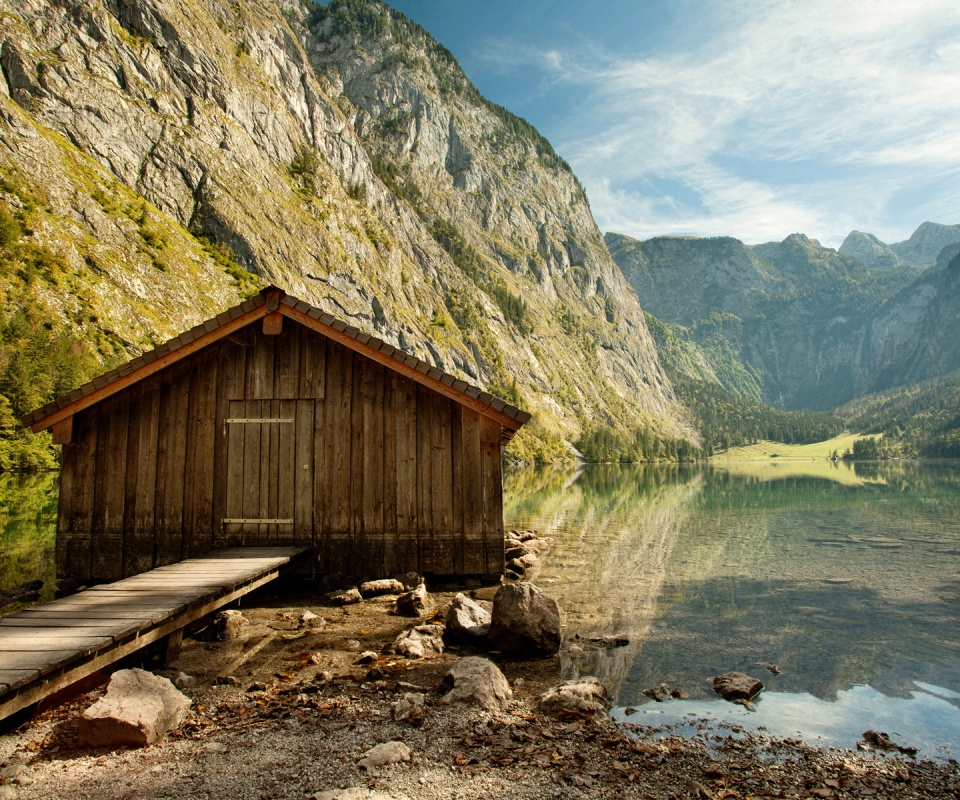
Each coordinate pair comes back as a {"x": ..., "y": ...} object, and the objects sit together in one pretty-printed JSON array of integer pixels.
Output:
[{"x": 847, "y": 577}]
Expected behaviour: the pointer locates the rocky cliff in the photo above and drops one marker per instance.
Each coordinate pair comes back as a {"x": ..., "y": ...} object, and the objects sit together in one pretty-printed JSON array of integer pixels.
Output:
[
  {"x": 794, "y": 323},
  {"x": 178, "y": 155},
  {"x": 922, "y": 248}
]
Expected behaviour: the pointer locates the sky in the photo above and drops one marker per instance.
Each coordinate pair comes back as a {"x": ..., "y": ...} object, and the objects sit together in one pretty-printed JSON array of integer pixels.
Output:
[{"x": 747, "y": 118}]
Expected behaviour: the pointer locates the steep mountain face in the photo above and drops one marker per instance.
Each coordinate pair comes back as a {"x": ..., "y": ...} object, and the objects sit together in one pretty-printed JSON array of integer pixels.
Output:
[
  {"x": 177, "y": 149},
  {"x": 915, "y": 336},
  {"x": 926, "y": 243},
  {"x": 922, "y": 248},
  {"x": 791, "y": 323},
  {"x": 870, "y": 250},
  {"x": 683, "y": 279}
]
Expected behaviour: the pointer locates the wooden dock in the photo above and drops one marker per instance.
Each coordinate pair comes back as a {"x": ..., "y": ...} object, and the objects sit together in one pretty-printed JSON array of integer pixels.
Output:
[{"x": 50, "y": 646}]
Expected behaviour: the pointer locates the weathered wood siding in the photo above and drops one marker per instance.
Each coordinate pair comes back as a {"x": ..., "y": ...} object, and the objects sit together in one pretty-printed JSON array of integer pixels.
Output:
[{"x": 293, "y": 439}]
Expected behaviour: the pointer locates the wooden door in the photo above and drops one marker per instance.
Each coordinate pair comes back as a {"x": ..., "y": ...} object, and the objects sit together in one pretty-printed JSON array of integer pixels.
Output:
[{"x": 260, "y": 472}]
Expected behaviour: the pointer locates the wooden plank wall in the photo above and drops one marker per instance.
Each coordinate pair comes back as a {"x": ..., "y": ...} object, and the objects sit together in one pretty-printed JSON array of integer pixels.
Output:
[{"x": 381, "y": 474}]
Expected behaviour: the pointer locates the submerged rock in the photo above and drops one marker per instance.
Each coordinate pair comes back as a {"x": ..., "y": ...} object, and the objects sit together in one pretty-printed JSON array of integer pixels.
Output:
[{"x": 736, "y": 686}]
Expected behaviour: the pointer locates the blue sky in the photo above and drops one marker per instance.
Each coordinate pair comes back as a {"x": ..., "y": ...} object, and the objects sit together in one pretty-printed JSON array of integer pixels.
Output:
[{"x": 748, "y": 118}]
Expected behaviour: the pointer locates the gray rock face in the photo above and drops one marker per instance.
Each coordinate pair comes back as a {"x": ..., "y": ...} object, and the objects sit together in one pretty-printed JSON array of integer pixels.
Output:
[
  {"x": 476, "y": 681},
  {"x": 466, "y": 620},
  {"x": 525, "y": 620},
  {"x": 315, "y": 155},
  {"x": 137, "y": 710},
  {"x": 926, "y": 243},
  {"x": 870, "y": 250},
  {"x": 584, "y": 696},
  {"x": 681, "y": 279},
  {"x": 794, "y": 323}
]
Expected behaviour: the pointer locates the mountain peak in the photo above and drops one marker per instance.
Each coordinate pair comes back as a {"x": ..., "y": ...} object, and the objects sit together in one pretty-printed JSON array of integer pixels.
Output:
[
  {"x": 868, "y": 249},
  {"x": 926, "y": 242}
]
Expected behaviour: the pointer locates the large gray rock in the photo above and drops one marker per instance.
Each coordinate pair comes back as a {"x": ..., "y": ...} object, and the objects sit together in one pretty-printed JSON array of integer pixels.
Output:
[
  {"x": 525, "y": 621},
  {"x": 585, "y": 697},
  {"x": 467, "y": 621},
  {"x": 415, "y": 603},
  {"x": 736, "y": 686},
  {"x": 476, "y": 681},
  {"x": 381, "y": 587},
  {"x": 138, "y": 708},
  {"x": 383, "y": 755},
  {"x": 419, "y": 642}
]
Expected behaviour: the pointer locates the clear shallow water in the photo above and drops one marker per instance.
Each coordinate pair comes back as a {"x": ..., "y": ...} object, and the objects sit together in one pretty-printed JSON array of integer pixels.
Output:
[{"x": 847, "y": 579}]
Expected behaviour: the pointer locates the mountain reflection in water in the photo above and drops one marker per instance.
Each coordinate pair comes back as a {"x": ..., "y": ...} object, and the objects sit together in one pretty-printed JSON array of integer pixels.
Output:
[{"x": 847, "y": 578}]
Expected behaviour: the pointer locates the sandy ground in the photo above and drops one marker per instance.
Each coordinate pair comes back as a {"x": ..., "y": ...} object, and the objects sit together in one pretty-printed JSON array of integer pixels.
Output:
[{"x": 286, "y": 712}]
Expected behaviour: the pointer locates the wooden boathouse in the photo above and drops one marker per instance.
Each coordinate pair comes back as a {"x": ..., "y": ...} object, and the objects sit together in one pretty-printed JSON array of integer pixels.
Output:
[{"x": 275, "y": 424}]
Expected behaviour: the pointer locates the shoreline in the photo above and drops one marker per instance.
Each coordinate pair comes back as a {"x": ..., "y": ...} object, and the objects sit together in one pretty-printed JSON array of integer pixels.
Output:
[{"x": 286, "y": 712}]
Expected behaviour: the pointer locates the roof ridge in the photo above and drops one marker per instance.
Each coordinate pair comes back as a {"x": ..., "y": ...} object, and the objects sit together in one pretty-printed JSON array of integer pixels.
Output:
[{"x": 365, "y": 340}]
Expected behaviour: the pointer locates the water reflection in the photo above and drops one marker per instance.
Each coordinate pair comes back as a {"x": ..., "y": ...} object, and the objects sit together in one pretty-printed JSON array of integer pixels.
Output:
[
  {"x": 28, "y": 516},
  {"x": 844, "y": 576}
]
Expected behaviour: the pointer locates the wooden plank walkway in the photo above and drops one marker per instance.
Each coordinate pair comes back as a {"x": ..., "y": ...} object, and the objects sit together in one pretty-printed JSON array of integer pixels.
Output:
[{"x": 48, "y": 647}]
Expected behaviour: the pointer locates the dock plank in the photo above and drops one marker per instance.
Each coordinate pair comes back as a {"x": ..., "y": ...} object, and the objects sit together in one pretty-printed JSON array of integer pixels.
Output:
[
  {"x": 47, "y": 647},
  {"x": 11, "y": 679},
  {"x": 56, "y": 641}
]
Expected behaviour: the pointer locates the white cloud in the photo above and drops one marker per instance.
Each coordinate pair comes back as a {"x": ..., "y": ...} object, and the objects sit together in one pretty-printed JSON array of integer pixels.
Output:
[{"x": 778, "y": 116}]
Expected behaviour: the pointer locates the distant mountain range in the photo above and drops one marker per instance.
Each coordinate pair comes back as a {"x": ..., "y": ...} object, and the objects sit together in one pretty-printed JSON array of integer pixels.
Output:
[
  {"x": 797, "y": 324},
  {"x": 922, "y": 248}
]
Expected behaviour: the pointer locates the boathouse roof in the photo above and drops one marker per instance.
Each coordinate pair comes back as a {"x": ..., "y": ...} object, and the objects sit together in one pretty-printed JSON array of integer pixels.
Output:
[{"x": 274, "y": 301}]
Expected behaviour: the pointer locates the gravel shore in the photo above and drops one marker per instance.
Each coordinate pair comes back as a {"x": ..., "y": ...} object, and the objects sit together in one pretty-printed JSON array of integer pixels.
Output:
[{"x": 285, "y": 711}]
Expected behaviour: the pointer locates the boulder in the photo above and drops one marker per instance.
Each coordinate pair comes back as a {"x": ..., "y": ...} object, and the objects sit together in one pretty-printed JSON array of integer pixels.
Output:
[
  {"x": 736, "y": 686},
  {"x": 525, "y": 621},
  {"x": 419, "y": 642},
  {"x": 585, "y": 697},
  {"x": 467, "y": 621},
  {"x": 227, "y": 626},
  {"x": 661, "y": 692},
  {"x": 343, "y": 597},
  {"x": 415, "y": 603},
  {"x": 138, "y": 708},
  {"x": 381, "y": 587},
  {"x": 384, "y": 754},
  {"x": 475, "y": 681}
]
